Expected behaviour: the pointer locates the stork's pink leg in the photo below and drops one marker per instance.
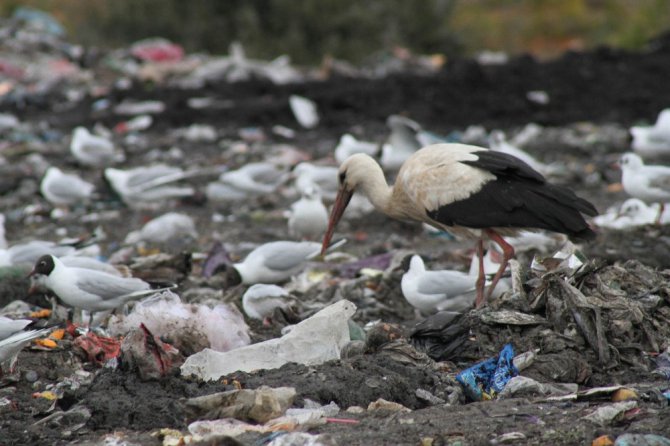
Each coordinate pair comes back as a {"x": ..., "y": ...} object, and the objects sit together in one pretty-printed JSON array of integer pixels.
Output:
[
  {"x": 661, "y": 209},
  {"x": 508, "y": 253},
  {"x": 481, "y": 278}
]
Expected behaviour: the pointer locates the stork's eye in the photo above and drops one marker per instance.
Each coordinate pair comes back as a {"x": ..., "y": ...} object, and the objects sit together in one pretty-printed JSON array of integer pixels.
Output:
[
  {"x": 43, "y": 263},
  {"x": 343, "y": 176}
]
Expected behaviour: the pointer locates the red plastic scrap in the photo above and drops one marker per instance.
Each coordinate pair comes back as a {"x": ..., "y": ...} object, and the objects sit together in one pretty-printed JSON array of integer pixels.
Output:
[
  {"x": 161, "y": 351},
  {"x": 157, "y": 51},
  {"x": 98, "y": 349}
]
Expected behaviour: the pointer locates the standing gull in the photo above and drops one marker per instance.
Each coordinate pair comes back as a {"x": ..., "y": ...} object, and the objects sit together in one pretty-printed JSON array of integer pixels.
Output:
[
  {"x": 93, "y": 150},
  {"x": 469, "y": 191},
  {"x": 88, "y": 289},
  {"x": 443, "y": 290},
  {"x": 64, "y": 189},
  {"x": 650, "y": 184},
  {"x": 308, "y": 217}
]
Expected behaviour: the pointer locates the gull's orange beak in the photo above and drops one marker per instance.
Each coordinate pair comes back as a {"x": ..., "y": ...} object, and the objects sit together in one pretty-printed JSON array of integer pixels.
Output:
[{"x": 341, "y": 202}]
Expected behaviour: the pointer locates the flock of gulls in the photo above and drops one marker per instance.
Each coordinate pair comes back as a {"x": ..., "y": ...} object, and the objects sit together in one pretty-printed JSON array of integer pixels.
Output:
[{"x": 498, "y": 196}]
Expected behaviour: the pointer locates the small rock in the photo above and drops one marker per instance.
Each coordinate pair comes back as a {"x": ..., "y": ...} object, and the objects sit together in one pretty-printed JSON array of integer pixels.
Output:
[{"x": 31, "y": 376}]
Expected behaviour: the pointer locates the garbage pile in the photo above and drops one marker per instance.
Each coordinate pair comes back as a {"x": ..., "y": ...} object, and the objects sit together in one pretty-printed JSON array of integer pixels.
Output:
[{"x": 161, "y": 275}]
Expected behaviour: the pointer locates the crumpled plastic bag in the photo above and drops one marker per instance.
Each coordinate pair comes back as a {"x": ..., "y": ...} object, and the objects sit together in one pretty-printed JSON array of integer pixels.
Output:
[{"x": 483, "y": 381}]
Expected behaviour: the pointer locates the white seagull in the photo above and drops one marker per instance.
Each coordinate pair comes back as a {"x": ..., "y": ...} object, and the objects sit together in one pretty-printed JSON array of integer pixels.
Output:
[
  {"x": 444, "y": 290},
  {"x": 650, "y": 184},
  {"x": 498, "y": 141},
  {"x": 64, "y": 189},
  {"x": 632, "y": 213},
  {"x": 406, "y": 137},
  {"x": 149, "y": 184},
  {"x": 13, "y": 343},
  {"x": 324, "y": 177},
  {"x": 261, "y": 300},
  {"x": 93, "y": 150},
  {"x": 9, "y": 326},
  {"x": 348, "y": 145},
  {"x": 274, "y": 262},
  {"x": 163, "y": 228},
  {"x": 653, "y": 141},
  {"x": 250, "y": 180},
  {"x": 29, "y": 252},
  {"x": 308, "y": 217},
  {"x": 88, "y": 289}
]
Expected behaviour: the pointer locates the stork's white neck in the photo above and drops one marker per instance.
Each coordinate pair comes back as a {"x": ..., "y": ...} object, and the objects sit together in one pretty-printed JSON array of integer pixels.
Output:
[{"x": 374, "y": 186}]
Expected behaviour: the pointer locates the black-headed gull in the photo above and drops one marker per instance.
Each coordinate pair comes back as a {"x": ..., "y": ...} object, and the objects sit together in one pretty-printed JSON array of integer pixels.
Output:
[
  {"x": 650, "y": 184},
  {"x": 88, "y": 289},
  {"x": 308, "y": 217},
  {"x": 65, "y": 189},
  {"x": 653, "y": 141},
  {"x": 149, "y": 184},
  {"x": 93, "y": 150},
  {"x": 348, "y": 145},
  {"x": 261, "y": 300},
  {"x": 444, "y": 290}
]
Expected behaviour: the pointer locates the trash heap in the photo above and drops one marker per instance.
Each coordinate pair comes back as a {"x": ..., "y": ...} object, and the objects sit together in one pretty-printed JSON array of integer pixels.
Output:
[{"x": 160, "y": 169}]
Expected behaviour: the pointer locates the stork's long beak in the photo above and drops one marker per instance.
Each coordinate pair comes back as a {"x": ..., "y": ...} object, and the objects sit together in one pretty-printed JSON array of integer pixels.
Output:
[
  {"x": 341, "y": 202},
  {"x": 31, "y": 273}
]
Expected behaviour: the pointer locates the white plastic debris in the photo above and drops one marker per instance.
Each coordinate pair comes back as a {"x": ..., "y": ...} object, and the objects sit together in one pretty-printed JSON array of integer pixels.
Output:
[
  {"x": 605, "y": 415},
  {"x": 304, "y": 111},
  {"x": 189, "y": 327},
  {"x": 313, "y": 341}
]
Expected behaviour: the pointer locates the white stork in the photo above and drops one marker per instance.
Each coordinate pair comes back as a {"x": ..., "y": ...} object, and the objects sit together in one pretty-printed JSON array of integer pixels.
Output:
[{"x": 467, "y": 190}]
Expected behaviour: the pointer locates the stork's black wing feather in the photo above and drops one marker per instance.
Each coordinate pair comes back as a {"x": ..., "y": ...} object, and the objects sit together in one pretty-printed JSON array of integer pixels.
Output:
[
  {"x": 505, "y": 165},
  {"x": 518, "y": 197}
]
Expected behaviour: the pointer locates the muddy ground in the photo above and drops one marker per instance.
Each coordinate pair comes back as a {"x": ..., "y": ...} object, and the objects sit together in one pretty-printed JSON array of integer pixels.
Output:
[{"x": 603, "y": 89}]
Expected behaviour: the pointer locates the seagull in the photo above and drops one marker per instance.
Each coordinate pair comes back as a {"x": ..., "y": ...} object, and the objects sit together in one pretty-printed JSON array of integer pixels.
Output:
[
  {"x": 11, "y": 345},
  {"x": 632, "y": 213},
  {"x": 149, "y": 183},
  {"x": 498, "y": 142},
  {"x": 9, "y": 326},
  {"x": 650, "y": 184},
  {"x": 308, "y": 217},
  {"x": 275, "y": 262},
  {"x": 406, "y": 137},
  {"x": 431, "y": 291},
  {"x": 64, "y": 189},
  {"x": 250, "y": 180},
  {"x": 324, "y": 177},
  {"x": 163, "y": 228},
  {"x": 88, "y": 289},
  {"x": 29, "y": 252},
  {"x": 469, "y": 191},
  {"x": 401, "y": 143},
  {"x": 261, "y": 300},
  {"x": 93, "y": 150},
  {"x": 653, "y": 141},
  {"x": 348, "y": 145}
]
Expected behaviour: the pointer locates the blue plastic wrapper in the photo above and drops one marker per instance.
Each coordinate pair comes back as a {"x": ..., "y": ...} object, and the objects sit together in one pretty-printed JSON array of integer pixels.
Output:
[{"x": 483, "y": 381}]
